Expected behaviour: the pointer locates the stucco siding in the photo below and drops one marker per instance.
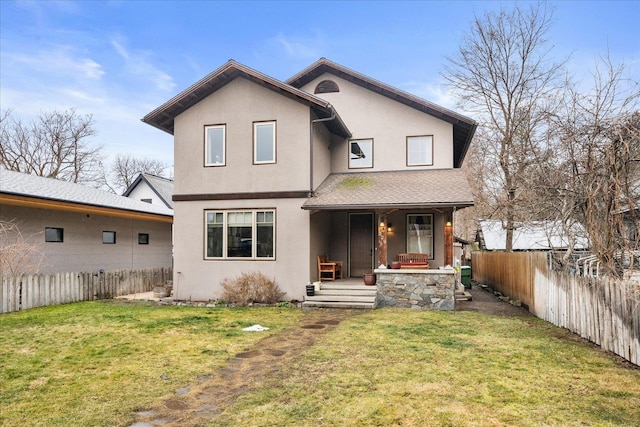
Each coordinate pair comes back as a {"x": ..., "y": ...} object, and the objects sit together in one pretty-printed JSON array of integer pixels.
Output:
[
  {"x": 238, "y": 105},
  {"x": 82, "y": 249},
  {"x": 371, "y": 115},
  {"x": 199, "y": 279},
  {"x": 322, "y": 146}
]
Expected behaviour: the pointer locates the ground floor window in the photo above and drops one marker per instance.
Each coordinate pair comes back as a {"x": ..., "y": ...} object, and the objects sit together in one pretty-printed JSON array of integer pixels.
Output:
[
  {"x": 240, "y": 234},
  {"x": 53, "y": 234},
  {"x": 420, "y": 234}
]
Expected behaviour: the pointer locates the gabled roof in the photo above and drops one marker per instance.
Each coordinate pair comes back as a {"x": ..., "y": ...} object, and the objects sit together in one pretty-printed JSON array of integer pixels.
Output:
[
  {"x": 46, "y": 193},
  {"x": 399, "y": 189},
  {"x": 533, "y": 235},
  {"x": 463, "y": 127},
  {"x": 163, "y": 116},
  {"x": 163, "y": 187}
]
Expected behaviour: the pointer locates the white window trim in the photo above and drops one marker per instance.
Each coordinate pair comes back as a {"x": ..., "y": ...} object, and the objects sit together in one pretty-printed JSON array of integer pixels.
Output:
[
  {"x": 254, "y": 231},
  {"x": 409, "y": 163},
  {"x": 358, "y": 141},
  {"x": 224, "y": 145},
  {"x": 255, "y": 142}
]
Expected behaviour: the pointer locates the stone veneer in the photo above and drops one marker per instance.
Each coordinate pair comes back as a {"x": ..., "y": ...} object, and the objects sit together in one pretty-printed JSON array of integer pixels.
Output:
[{"x": 419, "y": 289}]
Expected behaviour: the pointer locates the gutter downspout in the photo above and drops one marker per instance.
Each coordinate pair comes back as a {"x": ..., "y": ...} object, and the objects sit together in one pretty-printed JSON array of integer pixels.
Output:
[{"x": 326, "y": 119}]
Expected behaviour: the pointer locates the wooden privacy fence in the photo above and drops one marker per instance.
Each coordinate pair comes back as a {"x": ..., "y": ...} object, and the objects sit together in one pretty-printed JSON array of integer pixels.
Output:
[
  {"x": 510, "y": 273},
  {"x": 39, "y": 290},
  {"x": 603, "y": 310}
]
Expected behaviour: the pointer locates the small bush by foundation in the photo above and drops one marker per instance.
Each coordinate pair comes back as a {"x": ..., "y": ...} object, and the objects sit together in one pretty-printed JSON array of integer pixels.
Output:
[{"x": 249, "y": 288}]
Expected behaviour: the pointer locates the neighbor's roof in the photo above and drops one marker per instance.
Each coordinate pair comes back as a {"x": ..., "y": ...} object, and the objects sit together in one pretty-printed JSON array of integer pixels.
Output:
[
  {"x": 35, "y": 191},
  {"x": 400, "y": 189},
  {"x": 163, "y": 116},
  {"x": 463, "y": 127},
  {"x": 534, "y": 235},
  {"x": 163, "y": 187}
]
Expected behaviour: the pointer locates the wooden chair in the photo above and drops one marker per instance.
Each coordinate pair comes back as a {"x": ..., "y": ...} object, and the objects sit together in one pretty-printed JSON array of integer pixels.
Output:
[{"x": 328, "y": 268}]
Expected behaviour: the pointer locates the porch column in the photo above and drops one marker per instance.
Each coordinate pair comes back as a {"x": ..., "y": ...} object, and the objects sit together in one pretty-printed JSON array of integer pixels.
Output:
[
  {"x": 448, "y": 242},
  {"x": 381, "y": 258}
]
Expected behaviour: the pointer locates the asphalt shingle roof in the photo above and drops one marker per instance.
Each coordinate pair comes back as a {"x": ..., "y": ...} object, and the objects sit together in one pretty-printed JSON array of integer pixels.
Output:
[
  {"x": 163, "y": 186},
  {"x": 402, "y": 189},
  {"x": 20, "y": 184}
]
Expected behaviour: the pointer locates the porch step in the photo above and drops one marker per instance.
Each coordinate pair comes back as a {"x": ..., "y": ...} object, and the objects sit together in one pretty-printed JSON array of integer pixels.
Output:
[
  {"x": 333, "y": 295},
  {"x": 333, "y": 304},
  {"x": 319, "y": 296}
]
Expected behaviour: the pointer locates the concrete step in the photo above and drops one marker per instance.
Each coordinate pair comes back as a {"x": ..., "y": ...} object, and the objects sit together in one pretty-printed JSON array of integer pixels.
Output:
[
  {"x": 344, "y": 298},
  {"x": 363, "y": 292},
  {"x": 335, "y": 304},
  {"x": 339, "y": 286}
]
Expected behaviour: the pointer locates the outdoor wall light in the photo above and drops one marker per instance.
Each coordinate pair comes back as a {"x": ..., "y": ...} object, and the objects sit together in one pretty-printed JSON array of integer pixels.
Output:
[
  {"x": 448, "y": 224},
  {"x": 389, "y": 227}
]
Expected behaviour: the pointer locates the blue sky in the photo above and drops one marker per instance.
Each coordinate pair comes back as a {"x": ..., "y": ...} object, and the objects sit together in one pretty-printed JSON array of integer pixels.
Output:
[{"x": 118, "y": 60}]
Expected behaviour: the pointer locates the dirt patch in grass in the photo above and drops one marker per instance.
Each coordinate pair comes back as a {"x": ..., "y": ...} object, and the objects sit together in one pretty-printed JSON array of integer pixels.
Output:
[{"x": 209, "y": 395}]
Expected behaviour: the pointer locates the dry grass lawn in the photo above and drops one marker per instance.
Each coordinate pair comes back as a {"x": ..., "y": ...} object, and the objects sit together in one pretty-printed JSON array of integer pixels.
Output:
[{"x": 97, "y": 363}]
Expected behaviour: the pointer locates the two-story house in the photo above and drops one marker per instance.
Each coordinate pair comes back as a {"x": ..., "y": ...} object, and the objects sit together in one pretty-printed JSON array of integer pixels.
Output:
[{"x": 271, "y": 174}]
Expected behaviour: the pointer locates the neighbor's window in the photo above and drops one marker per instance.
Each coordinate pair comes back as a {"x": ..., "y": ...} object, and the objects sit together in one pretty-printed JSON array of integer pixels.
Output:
[
  {"x": 420, "y": 150},
  {"x": 109, "y": 237},
  {"x": 53, "y": 234},
  {"x": 361, "y": 153},
  {"x": 143, "y": 238},
  {"x": 240, "y": 234},
  {"x": 420, "y": 234},
  {"x": 214, "y": 145},
  {"x": 264, "y": 142}
]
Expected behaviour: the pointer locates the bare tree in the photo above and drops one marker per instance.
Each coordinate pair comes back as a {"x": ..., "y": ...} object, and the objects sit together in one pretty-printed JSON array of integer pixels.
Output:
[
  {"x": 598, "y": 150},
  {"x": 54, "y": 145},
  {"x": 17, "y": 254},
  {"x": 126, "y": 169},
  {"x": 502, "y": 74}
]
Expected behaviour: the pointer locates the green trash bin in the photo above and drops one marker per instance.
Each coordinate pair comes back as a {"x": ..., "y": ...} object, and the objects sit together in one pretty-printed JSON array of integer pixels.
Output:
[{"x": 465, "y": 276}]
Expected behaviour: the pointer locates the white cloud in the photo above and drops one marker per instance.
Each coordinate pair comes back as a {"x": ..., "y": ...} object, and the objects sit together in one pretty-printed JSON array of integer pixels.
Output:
[
  {"x": 138, "y": 65},
  {"x": 62, "y": 60},
  {"x": 299, "y": 47}
]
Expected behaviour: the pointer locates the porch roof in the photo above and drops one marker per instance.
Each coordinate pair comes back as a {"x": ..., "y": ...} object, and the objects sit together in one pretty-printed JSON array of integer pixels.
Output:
[{"x": 392, "y": 189}]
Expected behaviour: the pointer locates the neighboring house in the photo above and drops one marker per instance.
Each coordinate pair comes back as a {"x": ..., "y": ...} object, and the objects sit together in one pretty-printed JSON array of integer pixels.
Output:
[
  {"x": 271, "y": 174},
  {"x": 531, "y": 236},
  {"x": 77, "y": 228},
  {"x": 152, "y": 189}
]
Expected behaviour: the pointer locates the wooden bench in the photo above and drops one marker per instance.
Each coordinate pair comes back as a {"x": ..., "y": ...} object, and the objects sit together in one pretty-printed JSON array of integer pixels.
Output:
[{"x": 413, "y": 260}]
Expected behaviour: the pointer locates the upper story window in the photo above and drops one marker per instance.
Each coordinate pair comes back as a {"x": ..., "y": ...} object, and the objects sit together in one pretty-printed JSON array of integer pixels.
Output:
[
  {"x": 240, "y": 234},
  {"x": 53, "y": 234},
  {"x": 327, "y": 86},
  {"x": 360, "y": 153},
  {"x": 214, "y": 147},
  {"x": 420, "y": 150},
  {"x": 264, "y": 142}
]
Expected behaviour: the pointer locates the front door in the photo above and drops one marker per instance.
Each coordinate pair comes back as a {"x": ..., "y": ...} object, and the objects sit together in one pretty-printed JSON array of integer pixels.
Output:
[{"x": 361, "y": 249}]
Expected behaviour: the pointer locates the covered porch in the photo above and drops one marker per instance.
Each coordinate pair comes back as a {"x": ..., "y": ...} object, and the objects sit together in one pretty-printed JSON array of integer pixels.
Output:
[{"x": 366, "y": 220}]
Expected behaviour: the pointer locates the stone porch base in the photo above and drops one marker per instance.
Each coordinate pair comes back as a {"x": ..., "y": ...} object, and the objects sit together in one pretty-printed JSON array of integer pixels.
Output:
[{"x": 418, "y": 289}]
